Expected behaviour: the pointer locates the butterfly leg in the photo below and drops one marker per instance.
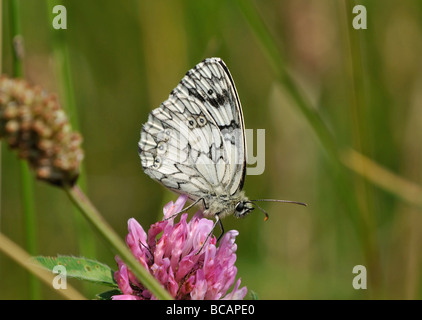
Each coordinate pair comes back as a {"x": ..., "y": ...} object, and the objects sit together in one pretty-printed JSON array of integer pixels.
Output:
[
  {"x": 185, "y": 209},
  {"x": 217, "y": 220},
  {"x": 221, "y": 227}
]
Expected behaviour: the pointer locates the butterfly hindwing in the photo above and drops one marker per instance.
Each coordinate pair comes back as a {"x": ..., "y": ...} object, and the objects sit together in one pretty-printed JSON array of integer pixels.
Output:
[{"x": 194, "y": 142}]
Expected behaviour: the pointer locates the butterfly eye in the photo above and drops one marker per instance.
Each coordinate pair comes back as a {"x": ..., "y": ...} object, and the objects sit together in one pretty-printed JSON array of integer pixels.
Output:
[
  {"x": 239, "y": 207},
  {"x": 210, "y": 92},
  {"x": 201, "y": 121},
  {"x": 191, "y": 123}
]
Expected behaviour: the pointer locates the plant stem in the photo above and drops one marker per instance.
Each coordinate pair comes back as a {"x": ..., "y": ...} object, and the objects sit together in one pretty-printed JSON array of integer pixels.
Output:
[
  {"x": 20, "y": 256},
  {"x": 405, "y": 190},
  {"x": 94, "y": 217},
  {"x": 364, "y": 191},
  {"x": 1, "y": 71},
  {"x": 63, "y": 66},
  {"x": 27, "y": 182}
]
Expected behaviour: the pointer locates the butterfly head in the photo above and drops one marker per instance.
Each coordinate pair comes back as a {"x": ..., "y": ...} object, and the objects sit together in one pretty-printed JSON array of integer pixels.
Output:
[{"x": 243, "y": 208}]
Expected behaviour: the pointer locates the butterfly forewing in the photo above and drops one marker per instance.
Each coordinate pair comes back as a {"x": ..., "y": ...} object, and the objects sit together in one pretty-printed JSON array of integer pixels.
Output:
[{"x": 194, "y": 142}]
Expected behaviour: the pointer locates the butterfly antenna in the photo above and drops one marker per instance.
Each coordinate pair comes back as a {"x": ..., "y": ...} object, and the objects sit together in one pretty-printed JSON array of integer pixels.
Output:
[
  {"x": 283, "y": 201},
  {"x": 274, "y": 200},
  {"x": 265, "y": 212}
]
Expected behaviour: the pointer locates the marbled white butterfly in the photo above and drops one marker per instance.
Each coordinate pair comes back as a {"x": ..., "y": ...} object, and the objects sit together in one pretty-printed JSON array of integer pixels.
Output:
[{"x": 194, "y": 143}]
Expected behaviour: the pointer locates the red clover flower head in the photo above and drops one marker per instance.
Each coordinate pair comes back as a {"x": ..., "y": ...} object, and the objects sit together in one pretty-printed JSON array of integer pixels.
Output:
[{"x": 173, "y": 260}]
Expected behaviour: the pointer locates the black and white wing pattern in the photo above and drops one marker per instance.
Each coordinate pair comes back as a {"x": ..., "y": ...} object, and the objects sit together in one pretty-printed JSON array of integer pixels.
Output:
[{"x": 194, "y": 143}]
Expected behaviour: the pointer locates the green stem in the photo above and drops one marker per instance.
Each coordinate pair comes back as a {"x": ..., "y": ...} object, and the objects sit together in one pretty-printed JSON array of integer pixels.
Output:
[
  {"x": 63, "y": 65},
  {"x": 30, "y": 224},
  {"x": 1, "y": 71},
  {"x": 94, "y": 217},
  {"x": 27, "y": 184},
  {"x": 403, "y": 189},
  {"x": 364, "y": 191}
]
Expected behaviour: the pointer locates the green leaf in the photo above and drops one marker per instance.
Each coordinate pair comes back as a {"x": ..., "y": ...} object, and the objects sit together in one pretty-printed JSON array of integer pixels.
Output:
[
  {"x": 79, "y": 268},
  {"x": 108, "y": 294},
  {"x": 252, "y": 295}
]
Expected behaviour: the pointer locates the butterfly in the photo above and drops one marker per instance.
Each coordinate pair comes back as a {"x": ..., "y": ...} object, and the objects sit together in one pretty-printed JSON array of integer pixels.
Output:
[{"x": 194, "y": 143}]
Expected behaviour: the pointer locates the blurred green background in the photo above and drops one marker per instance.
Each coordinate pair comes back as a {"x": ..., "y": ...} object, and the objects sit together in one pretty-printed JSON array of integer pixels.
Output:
[{"x": 303, "y": 74}]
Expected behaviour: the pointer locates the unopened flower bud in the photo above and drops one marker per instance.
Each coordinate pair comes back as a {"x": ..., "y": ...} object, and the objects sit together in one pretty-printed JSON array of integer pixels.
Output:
[{"x": 34, "y": 124}]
